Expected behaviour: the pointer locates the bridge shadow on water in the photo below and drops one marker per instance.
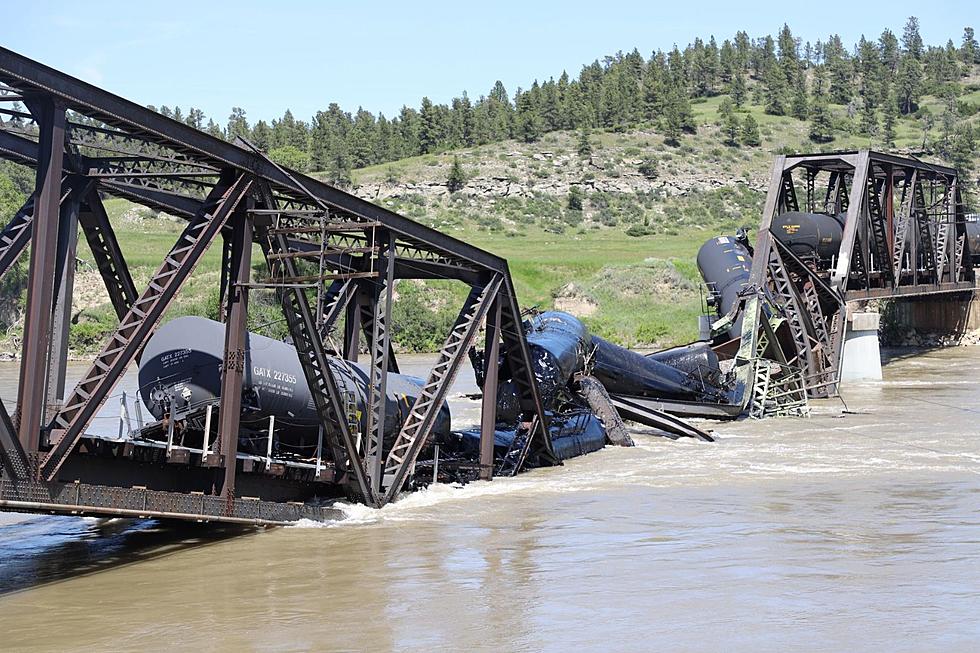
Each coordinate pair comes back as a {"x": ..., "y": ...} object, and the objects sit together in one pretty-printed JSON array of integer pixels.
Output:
[
  {"x": 47, "y": 549},
  {"x": 896, "y": 354}
]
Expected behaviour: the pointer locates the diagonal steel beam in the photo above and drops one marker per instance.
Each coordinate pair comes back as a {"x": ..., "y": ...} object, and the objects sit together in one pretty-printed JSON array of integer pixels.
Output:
[
  {"x": 107, "y": 254},
  {"x": 488, "y": 408},
  {"x": 417, "y": 427},
  {"x": 15, "y": 236},
  {"x": 13, "y": 461},
  {"x": 335, "y": 301},
  {"x": 138, "y": 324}
]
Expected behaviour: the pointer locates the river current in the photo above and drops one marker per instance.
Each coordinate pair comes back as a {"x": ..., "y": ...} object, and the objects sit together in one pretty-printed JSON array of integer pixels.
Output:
[{"x": 856, "y": 530}]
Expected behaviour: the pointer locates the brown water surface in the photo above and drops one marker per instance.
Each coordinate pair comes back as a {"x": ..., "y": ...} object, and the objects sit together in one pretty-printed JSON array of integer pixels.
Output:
[{"x": 853, "y": 532}]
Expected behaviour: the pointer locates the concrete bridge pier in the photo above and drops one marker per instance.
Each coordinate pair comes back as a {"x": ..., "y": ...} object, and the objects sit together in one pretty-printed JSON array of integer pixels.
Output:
[
  {"x": 903, "y": 321},
  {"x": 861, "y": 360}
]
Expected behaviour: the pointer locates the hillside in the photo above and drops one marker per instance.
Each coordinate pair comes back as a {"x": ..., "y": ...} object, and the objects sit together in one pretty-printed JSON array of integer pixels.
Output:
[{"x": 624, "y": 262}]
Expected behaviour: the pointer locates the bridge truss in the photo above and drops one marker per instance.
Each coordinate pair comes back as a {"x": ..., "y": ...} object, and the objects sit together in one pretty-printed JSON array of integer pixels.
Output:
[
  {"x": 904, "y": 235},
  {"x": 330, "y": 257}
]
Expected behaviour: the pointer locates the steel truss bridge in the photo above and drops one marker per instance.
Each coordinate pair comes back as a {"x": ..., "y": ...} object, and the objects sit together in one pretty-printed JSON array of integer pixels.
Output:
[
  {"x": 329, "y": 256},
  {"x": 904, "y": 235}
]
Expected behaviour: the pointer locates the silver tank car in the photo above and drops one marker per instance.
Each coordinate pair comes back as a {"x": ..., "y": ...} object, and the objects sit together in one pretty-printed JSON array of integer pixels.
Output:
[{"x": 181, "y": 365}]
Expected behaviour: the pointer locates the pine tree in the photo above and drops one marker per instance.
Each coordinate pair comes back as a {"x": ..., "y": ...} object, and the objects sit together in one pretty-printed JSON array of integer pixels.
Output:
[
  {"x": 529, "y": 126},
  {"x": 888, "y": 48},
  {"x": 869, "y": 119},
  {"x": 195, "y": 118},
  {"x": 671, "y": 120},
  {"x": 429, "y": 131},
  {"x": 457, "y": 176},
  {"x": 909, "y": 84},
  {"x": 799, "y": 107},
  {"x": 750, "y": 132},
  {"x": 678, "y": 117},
  {"x": 584, "y": 143},
  {"x": 839, "y": 70},
  {"x": 947, "y": 123},
  {"x": 214, "y": 129},
  {"x": 821, "y": 127},
  {"x": 911, "y": 38},
  {"x": 961, "y": 156},
  {"x": 576, "y": 199},
  {"x": 890, "y": 118},
  {"x": 686, "y": 112},
  {"x": 738, "y": 90},
  {"x": 261, "y": 135},
  {"x": 730, "y": 124},
  {"x": 776, "y": 91},
  {"x": 237, "y": 124},
  {"x": 970, "y": 49}
]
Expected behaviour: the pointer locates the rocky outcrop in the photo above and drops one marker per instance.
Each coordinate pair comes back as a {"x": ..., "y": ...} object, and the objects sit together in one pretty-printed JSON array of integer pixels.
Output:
[{"x": 523, "y": 170}]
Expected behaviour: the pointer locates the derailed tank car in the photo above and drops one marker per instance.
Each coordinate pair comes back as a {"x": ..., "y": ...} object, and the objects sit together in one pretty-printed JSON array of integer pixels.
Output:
[{"x": 181, "y": 370}]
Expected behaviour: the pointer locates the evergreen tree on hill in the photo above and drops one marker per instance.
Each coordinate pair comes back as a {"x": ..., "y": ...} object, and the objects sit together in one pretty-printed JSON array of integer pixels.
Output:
[
  {"x": 529, "y": 127},
  {"x": 909, "y": 84},
  {"x": 776, "y": 93},
  {"x": 584, "y": 144},
  {"x": 800, "y": 102},
  {"x": 738, "y": 90},
  {"x": 890, "y": 118},
  {"x": 912, "y": 39},
  {"x": 969, "y": 50},
  {"x": 750, "y": 132},
  {"x": 237, "y": 124},
  {"x": 821, "y": 127},
  {"x": 730, "y": 125},
  {"x": 457, "y": 176}
]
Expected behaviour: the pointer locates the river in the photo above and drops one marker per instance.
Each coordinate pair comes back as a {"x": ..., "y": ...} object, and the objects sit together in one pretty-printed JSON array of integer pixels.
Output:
[{"x": 856, "y": 531}]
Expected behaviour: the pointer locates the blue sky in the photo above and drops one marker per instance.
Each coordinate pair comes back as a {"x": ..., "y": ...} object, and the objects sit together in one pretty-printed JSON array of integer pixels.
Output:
[{"x": 267, "y": 56}]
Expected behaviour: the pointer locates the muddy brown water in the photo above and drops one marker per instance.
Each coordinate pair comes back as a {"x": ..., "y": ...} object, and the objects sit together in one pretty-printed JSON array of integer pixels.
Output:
[{"x": 841, "y": 532}]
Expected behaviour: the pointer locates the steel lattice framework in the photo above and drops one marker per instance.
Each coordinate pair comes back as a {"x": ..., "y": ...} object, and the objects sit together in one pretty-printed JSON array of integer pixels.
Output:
[
  {"x": 904, "y": 235},
  {"x": 330, "y": 255}
]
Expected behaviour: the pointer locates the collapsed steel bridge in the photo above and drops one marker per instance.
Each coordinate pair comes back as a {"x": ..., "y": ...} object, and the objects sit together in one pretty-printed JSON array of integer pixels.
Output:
[
  {"x": 330, "y": 256},
  {"x": 904, "y": 236}
]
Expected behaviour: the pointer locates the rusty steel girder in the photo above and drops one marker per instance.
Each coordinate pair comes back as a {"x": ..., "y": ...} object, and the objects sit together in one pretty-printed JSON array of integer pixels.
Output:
[
  {"x": 330, "y": 255},
  {"x": 903, "y": 235}
]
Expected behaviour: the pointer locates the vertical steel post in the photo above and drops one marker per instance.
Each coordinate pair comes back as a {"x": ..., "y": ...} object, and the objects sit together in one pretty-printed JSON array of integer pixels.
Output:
[
  {"x": 229, "y": 414},
  {"x": 855, "y": 209},
  {"x": 61, "y": 312},
  {"x": 488, "y": 416},
  {"x": 381, "y": 301},
  {"x": 352, "y": 325},
  {"x": 40, "y": 285}
]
